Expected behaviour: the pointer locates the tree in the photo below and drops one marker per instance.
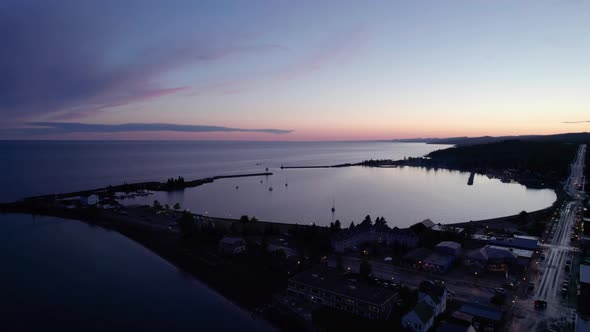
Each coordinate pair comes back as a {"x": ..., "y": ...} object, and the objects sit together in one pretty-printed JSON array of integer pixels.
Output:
[
  {"x": 177, "y": 206},
  {"x": 186, "y": 224},
  {"x": 337, "y": 225},
  {"x": 244, "y": 219},
  {"x": 367, "y": 221},
  {"x": 167, "y": 207},
  {"x": 157, "y": 205},
  {"x": 365, "y": 269},
  {"x": 351, "y": 225}
]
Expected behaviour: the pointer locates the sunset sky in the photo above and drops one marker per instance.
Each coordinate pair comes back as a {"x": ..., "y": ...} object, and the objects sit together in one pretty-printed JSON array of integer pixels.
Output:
[{"x": 292, "y": 70}]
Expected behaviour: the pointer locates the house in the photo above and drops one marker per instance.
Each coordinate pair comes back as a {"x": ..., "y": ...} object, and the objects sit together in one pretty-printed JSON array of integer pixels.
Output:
[
  {"x": 448, "y": 248},
  {"x": 232, "y": 245},
  {"x": 435, "y": 295},
  {"x": 414, "y": 258},
  {"x": 432, "y": 301},
  {"x": 420, "y": 319},
  {"x": 89, "y": 200},
  {"x": 335, "y": 289},
  {"x": 427, "y": 223},
  {"x": 438, "y": 263},
  {"x": 490, "y": 258},
  {"x": 351, "y": 239}
]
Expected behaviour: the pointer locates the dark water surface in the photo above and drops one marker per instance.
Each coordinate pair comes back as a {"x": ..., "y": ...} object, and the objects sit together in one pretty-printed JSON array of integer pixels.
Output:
[
  {"x": 403, "y": 196},
  {"x": 39, "y": 168},
  {"x": 64, "y": 275}
]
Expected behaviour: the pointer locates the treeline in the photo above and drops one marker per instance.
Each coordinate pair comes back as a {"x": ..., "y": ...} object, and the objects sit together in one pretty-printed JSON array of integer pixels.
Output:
[
  {"x": 173, "y": 183},
  {"x": 549, "y": 159}
]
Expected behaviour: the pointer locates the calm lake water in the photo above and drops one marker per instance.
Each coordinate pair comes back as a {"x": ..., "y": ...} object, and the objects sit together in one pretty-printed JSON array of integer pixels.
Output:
[
  {"x": 68, "y": 276},
  {"x": 39, "y": 168},
  {"x": 403, "y": 196}
]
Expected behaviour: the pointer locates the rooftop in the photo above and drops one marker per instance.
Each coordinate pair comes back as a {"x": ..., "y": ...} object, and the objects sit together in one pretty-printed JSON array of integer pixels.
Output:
[
  {"x": 481, "y": 311},
  {"x": 344, "y": 284},
  {"x": 455, "y": 327},
  {"x": 418, "y": 254},
  {"x": 424, "y": 311},
  {"x": 518, "y": 252},
  {"x": 521, "y": 242},
  {"x": 428, "y": 223},
  {"x": 492, "y": 252},
  {"x": 439, "y": 259},
  {"x": 447, "y": 228},
  {"x": 585, "y": 273},
  {"x": 449, "y": 244},
  {"x": 435, "y": 291}
]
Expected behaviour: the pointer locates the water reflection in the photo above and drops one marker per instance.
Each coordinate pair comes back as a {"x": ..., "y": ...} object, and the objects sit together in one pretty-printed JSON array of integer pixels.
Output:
[{"x": 404, "y": 196}]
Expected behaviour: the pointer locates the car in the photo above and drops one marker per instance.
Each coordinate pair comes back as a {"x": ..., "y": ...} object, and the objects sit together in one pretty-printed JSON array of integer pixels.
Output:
[
  {"x": 564, "y": 291},
  {"x": 500, "y": 290},
  {"x": 568, "y": 262},
  {"x": 509, "y": 285},
  {"x": 567, "y": 268},
  {"x": 540, "y": 304},
  {"x": 531, "y": 286},
  {"x": 542, "y": 256}
]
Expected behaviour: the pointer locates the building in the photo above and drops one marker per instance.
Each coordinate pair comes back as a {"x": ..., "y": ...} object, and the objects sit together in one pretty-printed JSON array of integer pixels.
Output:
[
  {"x": 351, "y": 239},
  {"x": 584, "y": 292},
  {"x": 335, "y": 289},
  {"x": 89, "y": 200},
  {"x": 415, "y": 258},
  {"x": 289, "y": 252},
  {"x": 455, "y": 327},
  {"x": 582, "y": 323},
  {"x": 481, "y": 314},
  {"x": 448, "y": 248},
  {"x": 427, "y": 223},
  {"x": 517, "y": 242},
  {"x": 432, "y": 301},
  {"x": 435, "y": 295},
  {"x": 383, "y": 270},
  {"x": 420, "y": 319},
  {"x": 438, "y": 263},
  {"x": 490, "y": 258},
  {"x": 232, "y": 245}
]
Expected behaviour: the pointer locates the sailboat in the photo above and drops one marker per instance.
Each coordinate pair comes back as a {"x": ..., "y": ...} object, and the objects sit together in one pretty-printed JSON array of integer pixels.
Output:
[
  {"x": 286, "y": 181},
  {"x": 333, "y": 207}
]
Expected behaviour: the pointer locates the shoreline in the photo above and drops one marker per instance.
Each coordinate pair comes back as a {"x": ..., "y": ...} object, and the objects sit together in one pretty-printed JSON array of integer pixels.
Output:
[
  {"x": 147, "y": 186},
  {"x": 525, "y": 180},
  {"x": 201, "y": 260}
]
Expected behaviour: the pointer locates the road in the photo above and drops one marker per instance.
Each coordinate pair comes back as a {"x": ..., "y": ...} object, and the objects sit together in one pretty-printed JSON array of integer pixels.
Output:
[{"x": 551, "y": 272}]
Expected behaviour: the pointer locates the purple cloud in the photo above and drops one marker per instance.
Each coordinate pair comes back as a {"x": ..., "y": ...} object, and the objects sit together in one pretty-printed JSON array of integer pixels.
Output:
[
  {"x": 67, "y": 59},
  {"x": 51, "y": 128},
  {"x": 336, "y": 50}
]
